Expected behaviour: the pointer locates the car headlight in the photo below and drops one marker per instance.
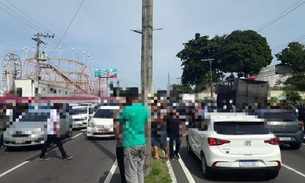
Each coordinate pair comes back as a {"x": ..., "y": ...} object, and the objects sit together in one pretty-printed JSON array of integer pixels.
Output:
[
  {"x": 85, "y": 118},
  {"x": 91, "y": 124}
]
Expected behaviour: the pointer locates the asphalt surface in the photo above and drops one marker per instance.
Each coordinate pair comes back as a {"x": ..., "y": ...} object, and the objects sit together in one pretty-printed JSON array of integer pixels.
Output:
[{"x": 93, "y": 161}]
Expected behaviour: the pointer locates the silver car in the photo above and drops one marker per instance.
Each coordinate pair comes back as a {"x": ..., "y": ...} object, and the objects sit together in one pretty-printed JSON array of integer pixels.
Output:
[
  {"x": 31, "y": 128},
  {"x": 284, "y": 124}
]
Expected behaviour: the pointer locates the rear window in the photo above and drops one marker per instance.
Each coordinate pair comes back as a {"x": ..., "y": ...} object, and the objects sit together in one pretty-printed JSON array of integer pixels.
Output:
[
  {"x": 241, "y": 128},
  {"x": 34, "y": 117},
  {"x": 278, "y": 116},
  {"x": 104, "y": 113}
]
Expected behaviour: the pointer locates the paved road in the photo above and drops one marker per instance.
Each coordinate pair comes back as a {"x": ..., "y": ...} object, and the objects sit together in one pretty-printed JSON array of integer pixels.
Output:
[
  {"x": 293, "y": 169},
  {"x": 94, "y": 162}
]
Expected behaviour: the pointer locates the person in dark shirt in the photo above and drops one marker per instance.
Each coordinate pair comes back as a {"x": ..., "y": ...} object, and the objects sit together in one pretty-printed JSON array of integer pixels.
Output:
[{"x": 175, "y": 128}]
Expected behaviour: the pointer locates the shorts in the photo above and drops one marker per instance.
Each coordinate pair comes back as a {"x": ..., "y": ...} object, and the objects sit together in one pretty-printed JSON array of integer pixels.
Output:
[{"x": 160, "y": 139}]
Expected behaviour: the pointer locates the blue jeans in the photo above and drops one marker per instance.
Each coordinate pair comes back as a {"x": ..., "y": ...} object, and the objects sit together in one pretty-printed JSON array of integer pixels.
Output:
[
  {"x": 177, "y": 139},
  {"x": 134, "y": 163}
]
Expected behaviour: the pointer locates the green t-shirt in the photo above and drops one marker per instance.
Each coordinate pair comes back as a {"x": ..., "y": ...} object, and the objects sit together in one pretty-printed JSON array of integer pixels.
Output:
[{"x": 133, "y": 118}]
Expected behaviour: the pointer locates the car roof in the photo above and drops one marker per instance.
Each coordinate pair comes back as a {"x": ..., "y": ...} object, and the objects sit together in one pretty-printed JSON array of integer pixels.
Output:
[
  {"x": 80, "y": 107},
  {"x": 269, "y": 110},
  {"x": 109, "y": 107},
  {"x": 229, "y": 117}
]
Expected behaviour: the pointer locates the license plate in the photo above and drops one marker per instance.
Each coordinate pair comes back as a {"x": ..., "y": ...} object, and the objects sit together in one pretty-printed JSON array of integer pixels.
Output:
[
  {"x": 19, "y": 142},
  {"x": 248, "y": 163},
  {"x": 284, "y": 138},
  {"x": 103, "y": 130}
]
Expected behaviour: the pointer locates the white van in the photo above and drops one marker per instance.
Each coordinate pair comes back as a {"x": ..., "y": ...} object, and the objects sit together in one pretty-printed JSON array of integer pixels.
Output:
[
  {"x": 30, "y": 129},
  {"x": 101, "y": 122},
  {"x": 80, "y": 116}
]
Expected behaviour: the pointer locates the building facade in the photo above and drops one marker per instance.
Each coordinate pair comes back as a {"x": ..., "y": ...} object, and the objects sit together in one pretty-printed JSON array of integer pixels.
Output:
[
  {"x": 30, "y": 88},
  {"x": 275, "y": 75}
]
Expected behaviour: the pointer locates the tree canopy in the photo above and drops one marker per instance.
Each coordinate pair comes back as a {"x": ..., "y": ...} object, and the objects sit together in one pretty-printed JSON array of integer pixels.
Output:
[
  {"x": 293, "y": 55},
  {"x": 245, "y": 51},
  {"x": 240, "y": 51}
]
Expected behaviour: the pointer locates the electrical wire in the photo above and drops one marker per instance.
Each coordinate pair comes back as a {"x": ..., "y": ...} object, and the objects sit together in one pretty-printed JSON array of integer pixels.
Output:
[
  {"x": 68, "y": 26},
  {"x": 283, "y": 14},
  {"x": 26, "y": 23},
  {"x": 284, "y": 45}
]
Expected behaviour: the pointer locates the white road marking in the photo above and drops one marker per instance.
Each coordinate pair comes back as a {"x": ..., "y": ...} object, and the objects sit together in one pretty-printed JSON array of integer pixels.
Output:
[
  {"x": 76, "y": 136},
  {"x": 111, "y": 172},
  {"x": 170, "y": 170},
  {"x": 186, "y": 171},
  {"x": 294, "y": 170},
  {"x": 14, "y": 168},
  {"x": 21, "y": 164}
]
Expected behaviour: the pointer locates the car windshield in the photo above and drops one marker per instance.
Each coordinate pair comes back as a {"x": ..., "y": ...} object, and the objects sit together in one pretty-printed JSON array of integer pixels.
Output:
[
  {"x": 278, "y": 116},
  {"x": 104, "y": 113},
  {"x": 241, "y": 128},
  {"x": 79, "y": 111},
  {"x": 34, "y": 117}
]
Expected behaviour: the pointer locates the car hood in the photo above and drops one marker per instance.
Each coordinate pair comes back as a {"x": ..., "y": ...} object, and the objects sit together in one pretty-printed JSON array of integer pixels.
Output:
[{"x": 79, "y": 116}]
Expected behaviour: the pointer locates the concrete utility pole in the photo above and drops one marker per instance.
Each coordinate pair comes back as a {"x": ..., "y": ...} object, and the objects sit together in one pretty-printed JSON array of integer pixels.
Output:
[
  {"x": 211, "y": 73},
  {"x": 38, "y": 42},
  {"x": 147, "y": 69}
]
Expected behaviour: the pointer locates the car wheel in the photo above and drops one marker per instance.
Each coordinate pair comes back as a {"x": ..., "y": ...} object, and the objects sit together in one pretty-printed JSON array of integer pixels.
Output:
[
  {"x": 296, "y": 146},
  {"x": 188, "y": 146},
  {"x": 272, "y": 175},
  {"x": 9, "y": 148},
  {"x": 204, "y": 168},
  {"x": 70, "y": 132}
]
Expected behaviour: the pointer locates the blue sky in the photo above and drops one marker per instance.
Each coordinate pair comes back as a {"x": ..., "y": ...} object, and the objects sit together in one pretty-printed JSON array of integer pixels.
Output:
[{"x": 102, "y": 29}]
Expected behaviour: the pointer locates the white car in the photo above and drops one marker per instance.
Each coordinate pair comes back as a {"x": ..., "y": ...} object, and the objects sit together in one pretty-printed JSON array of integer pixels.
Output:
[
  {"x": 80, "y": 116},
  {"x": 234, "y": 141},
  {"x": 101, "y": 122}
]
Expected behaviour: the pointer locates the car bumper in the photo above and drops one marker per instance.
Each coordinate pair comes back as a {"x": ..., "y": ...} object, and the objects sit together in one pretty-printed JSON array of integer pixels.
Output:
[
  {"x": 19, "y": 142},
  {"x": 79, "y": 124},
  {"x": 245, "y": 170},
  {"x": 268, "y": 161},
  {"x": 101, "y": 135},
  {"x": 294, "y": 138}
]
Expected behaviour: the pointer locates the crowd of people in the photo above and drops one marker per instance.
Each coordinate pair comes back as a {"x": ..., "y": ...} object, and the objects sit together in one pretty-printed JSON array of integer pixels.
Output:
[{"x": 169, "y": 118}]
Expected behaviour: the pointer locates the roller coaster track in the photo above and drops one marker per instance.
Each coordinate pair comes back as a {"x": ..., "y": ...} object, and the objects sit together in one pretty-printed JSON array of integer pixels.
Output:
[{"x": 63, "y": 76}]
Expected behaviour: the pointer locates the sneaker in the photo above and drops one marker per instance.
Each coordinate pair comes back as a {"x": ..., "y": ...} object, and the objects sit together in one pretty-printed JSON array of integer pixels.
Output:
[
  {"x": 176, "y": 156},
  {"x": 171, "y": 158},
  {"x": 43, "y": 158},
  {"x": 68, "y": 157}
]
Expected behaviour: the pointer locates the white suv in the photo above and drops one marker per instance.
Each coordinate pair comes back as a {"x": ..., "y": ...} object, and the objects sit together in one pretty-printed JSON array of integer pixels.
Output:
[{"x": 235, "y": 141}]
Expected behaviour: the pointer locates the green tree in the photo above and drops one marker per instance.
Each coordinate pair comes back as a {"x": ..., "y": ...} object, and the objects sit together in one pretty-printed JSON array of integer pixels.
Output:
[
  {"x": 193, "y": 52},
  {"x": 180, "y": 88},
  {"x": 296, "y": 81},
  {"x": 291, "y": 95},
  {"x": 245, "y": 51},
  {"x": 293, "y": 55}
]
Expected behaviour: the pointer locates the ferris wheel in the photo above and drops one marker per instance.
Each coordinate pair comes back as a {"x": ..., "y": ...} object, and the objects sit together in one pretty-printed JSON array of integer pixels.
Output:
[{"x": 11, "y": 70}]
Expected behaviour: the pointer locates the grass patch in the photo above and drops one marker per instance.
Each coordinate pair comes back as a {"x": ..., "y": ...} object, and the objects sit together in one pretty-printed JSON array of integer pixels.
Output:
[{"x": 159, "y": 172}]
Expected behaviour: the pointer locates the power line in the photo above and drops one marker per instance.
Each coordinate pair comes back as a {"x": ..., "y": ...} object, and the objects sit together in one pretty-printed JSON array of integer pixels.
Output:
[
  {"x": 26, "y": 23},
  {"x": 69, "y": 25},
  {"x": 27, "y": 15},
  {"x": 295, "y": 40},
  {"x": 283, "y": 14}
]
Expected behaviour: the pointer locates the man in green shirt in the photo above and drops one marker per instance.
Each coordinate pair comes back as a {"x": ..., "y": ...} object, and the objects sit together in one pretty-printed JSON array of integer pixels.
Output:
[{"x": 134, "y": 118}]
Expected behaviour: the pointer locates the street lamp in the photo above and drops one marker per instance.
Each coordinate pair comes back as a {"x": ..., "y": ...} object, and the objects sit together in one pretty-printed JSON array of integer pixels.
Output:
[{"x": 210, "y": 60}]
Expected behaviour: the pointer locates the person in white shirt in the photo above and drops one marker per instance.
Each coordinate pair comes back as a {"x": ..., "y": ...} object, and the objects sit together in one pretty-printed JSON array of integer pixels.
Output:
[{"x": 53, "y": 134}]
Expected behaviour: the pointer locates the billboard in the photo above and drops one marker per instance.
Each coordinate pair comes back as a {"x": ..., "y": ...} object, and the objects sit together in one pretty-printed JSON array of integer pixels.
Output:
[{"x": 106, "y": 73}]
